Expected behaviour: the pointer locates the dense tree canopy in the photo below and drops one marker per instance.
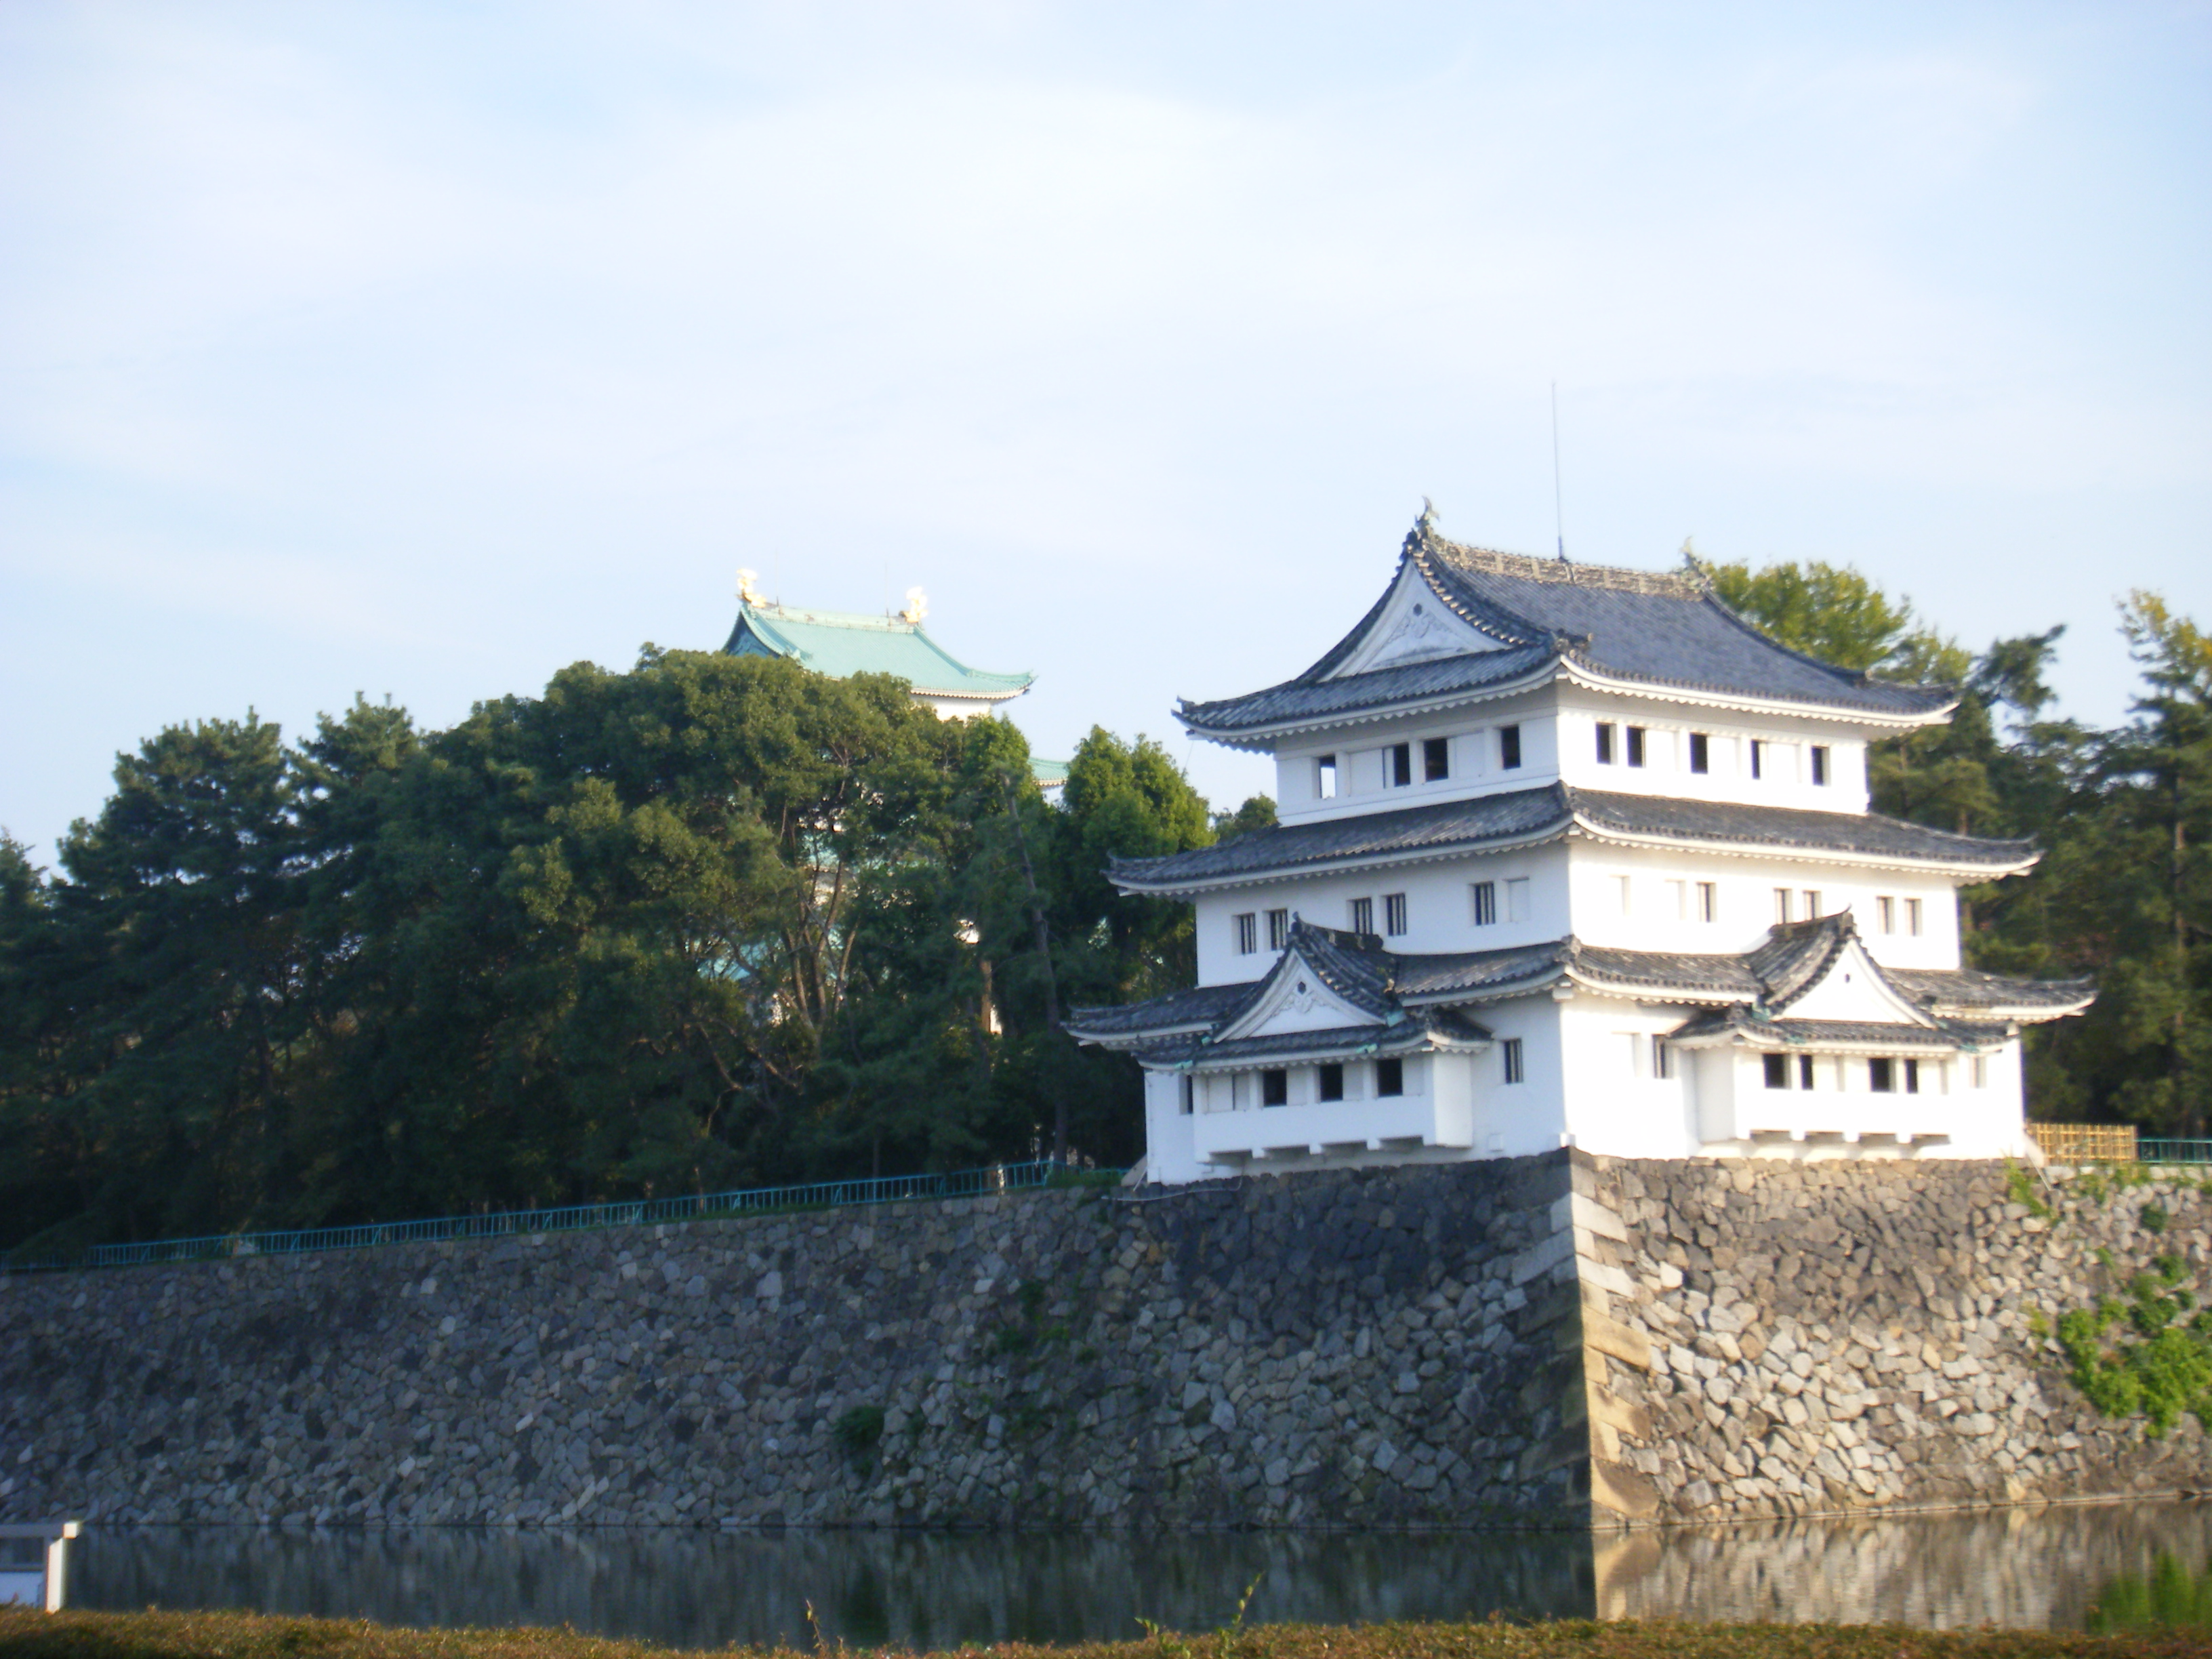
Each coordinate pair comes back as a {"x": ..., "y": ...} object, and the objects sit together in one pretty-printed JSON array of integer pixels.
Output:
[{"x": 711, "y": 922}]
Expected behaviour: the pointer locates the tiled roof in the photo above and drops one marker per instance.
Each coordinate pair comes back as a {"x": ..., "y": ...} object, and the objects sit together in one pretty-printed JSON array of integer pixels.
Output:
[
  {"x": 1664, "y": 628},
  {"x": 1527, "y": 815},
  {"x": 1867, "y": 833},
  {"x": 1408, "y": 1036},
  {"x": 1756, "y": 1033},
  {"x": 1205, "y": 1006},
  {"x": 1659, "y": 629},
  {"x": 1414, "y": 832},
  {"x": 1796, "y": 956},
  {"x": 839, "y": 644},
  {"x": 1295, "y": 702},
  {"x": 1411, "y": 988},
  {"x": 1968, "y": 991}
]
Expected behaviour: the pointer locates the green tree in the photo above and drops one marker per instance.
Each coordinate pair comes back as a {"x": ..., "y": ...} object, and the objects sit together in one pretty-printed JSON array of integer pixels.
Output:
[{"x": 1829, "y": 611}]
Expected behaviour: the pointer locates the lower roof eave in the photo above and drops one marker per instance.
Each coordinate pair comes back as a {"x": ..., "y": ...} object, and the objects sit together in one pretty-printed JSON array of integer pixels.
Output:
[
  {"x": 1583, "y": 672},
  {"x": 1267, "y": 1062},
  {"x": 2042, "y": 1015},
  {"x": 1118, "y": 1040},
  {"x": 1780, "y": 852},
  {"x": 1927, "y": 1039},
  {"x": 1266, "y": 736},
  {"x": 1338, "y": 867}
]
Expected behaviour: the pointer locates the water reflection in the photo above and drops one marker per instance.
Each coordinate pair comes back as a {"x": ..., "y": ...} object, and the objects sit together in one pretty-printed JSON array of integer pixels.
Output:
[
  {"x": 2169, "y": 1597},
  {"x": 2048, "y": 1568}
]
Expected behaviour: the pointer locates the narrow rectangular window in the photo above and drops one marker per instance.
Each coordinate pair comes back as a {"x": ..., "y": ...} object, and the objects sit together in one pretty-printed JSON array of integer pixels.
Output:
[
  {"x": 1820, "y": 762},
  {"x": 1912, "y": 917},
  {"x": 1275, "y": 1087},
  {"x": 1436, "y": 759},
  {"x": 1605, "y": 743},
  {"x": 1627, "y": 894},
  {"x": 1884, "y": 910},
  {"x": 1390, "y": 1077},
  {"x": 1882, "y": 1076},
  {"x": 1812, "y": 904},
  {"x": 1278, "y": 929},
  {"x": 1804, "y": 1071},
  {"x": 1248, "y": 933},
  {"x": 1981, "y": 1071},
  {"x": 1662, "y": 1058},
  {"x": 1398, "y": 757},
  {"x": 1678, "y": 899},
  {"x": 1394, "y": 913},
  {"x": 1758, "y": 759},
  {"x": 1630, "y": 1051},
  {"x": 1515, "y": 1071},
  {"x": 1325, "y": 778},
  {"x": 1636, "y": 745},
  {"x": 1187, "y": 1095},
  {"x": 1509, "y": 746},
  {"x": 1777, "y": 1070},
  {"x": 1516, "y": 899},
  {"x": 1484, "y": 893},
  {"x": 1912, "y": 1077},
  {"x": 1701, "y": 752},
  {"x": 1362, "y": 915},
  {"x": 1328, "y": 1081},
  {"x": 1709, "y": 900},
  {"x": 1781, "y": 904}
]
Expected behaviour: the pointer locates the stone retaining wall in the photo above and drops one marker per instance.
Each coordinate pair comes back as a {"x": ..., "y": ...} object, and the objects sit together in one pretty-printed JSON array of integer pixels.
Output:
[
  {"x": 1841, "y": 1336},
  {"x": 1555, "y": 1340}
]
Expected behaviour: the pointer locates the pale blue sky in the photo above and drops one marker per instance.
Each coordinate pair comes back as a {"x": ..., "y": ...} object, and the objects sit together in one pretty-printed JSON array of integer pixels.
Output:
[{"x": 422, "y": 349}]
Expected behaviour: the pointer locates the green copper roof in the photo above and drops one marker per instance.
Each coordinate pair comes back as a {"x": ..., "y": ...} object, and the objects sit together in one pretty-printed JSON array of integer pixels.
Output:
[
  {"x": 1048, "y": 774},
  {"x": 839, "y": 644}
]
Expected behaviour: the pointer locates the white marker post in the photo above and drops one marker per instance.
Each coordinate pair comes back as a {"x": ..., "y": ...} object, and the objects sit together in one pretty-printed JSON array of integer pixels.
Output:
[{"x": 34, "y": 1563}]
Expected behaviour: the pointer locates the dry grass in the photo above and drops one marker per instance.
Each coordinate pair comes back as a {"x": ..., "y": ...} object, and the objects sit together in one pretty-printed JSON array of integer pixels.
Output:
[{"x": 24, "y": 1635}]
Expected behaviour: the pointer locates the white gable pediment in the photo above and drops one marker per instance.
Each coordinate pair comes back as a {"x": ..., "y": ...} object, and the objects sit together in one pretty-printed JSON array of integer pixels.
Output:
[
  {"x": 1413, "y": 625},
  {"x": 1295, "y": 999},
  {"x": 1854, "y": 989}
]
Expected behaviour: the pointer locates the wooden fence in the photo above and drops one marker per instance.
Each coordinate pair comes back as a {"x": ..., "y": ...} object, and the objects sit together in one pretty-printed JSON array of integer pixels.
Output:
[{"x": 2085, "y": 1142}]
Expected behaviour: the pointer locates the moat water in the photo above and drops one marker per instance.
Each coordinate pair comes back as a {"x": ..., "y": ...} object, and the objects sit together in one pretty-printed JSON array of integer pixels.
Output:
[{"x": 2067, "y": 1567}]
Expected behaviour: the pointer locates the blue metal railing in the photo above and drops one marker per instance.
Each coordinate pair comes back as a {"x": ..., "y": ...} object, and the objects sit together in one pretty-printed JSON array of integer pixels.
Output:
[
  {"x": 2173, "y": 1152},
  {"x": 574, "y": 1218}
]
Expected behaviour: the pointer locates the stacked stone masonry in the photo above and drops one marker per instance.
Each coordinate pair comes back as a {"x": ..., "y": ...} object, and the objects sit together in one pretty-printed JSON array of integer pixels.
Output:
[{"x": 1554, "y": 1341}]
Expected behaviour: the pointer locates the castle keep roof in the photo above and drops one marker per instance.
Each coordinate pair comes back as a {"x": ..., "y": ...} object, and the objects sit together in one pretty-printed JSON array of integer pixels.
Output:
[
  {"x": 1634, "y": 628},
  {"x": 1525, "y": 816},
  {"x": 840, "y": 644}
]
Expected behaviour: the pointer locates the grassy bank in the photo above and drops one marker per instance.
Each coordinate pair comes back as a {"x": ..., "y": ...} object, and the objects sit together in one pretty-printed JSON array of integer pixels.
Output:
[{"x": 26, "y": 1635}]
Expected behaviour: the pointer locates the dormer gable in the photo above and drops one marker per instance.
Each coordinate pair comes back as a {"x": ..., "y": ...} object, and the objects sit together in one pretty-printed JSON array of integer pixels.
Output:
[
  {"x": 1413, "y": 624},
  {"x": 1324, "y": 981},
  {"x": 1820, "y": 970}
]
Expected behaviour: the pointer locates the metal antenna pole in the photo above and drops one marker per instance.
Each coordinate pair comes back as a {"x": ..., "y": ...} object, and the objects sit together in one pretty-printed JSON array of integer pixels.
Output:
[{"x": 1558, "y": 516}]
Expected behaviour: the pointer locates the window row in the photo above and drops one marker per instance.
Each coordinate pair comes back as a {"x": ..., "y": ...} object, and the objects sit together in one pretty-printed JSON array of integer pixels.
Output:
[
  {"x": 1328, "y": 1080},
  {"x": 1632, "y": 745},
  {"x": 1678, "y": 900},
  {"x": 1398, "y": 767},
  {"x": 1885, "y": 1075}
]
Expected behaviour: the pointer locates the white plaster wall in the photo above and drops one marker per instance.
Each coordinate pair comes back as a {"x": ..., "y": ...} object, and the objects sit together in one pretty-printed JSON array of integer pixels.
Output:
[
  {"x": 1513, "y": 1119},
  {"x": 1439, "y": 908},
  {"x": 1654, "y": 920},
  {"x": 1558, "y": 740},
  {"x": 1476, "y": 768},
  {"x": 1168, "y": 1156},
  {"x": 1615, "y": 1102},
  {"x": 1786, "y": 770},
  {"x": 1979, "y": 1122}
]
